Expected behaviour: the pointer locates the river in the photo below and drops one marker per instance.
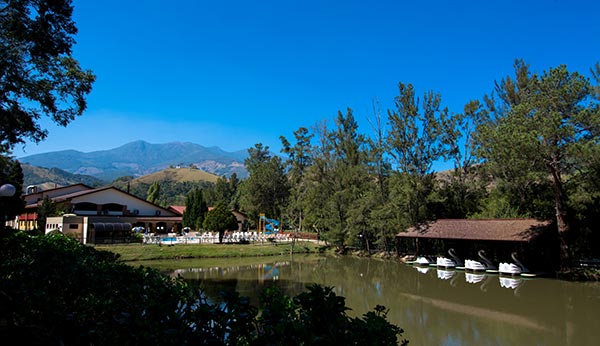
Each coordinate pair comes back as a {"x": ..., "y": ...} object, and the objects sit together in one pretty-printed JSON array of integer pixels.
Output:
[{"x": 434, "y": 307}]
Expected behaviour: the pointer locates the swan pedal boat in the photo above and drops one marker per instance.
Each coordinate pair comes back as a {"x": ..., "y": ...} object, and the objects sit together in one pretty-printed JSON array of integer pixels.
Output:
[
  {"x": 514, "y": 269},
  {"x": 422, "y": 261},
  {"x": 444, "y": 262},
  {"x": 484, "y": 266}
]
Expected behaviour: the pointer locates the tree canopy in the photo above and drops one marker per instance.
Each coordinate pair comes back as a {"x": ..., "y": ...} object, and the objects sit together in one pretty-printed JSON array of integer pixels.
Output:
[
  {"x": 195, "y": 210},
  {"x": 220, "y": 219},
  {"x": 530, "y": 149},
  {"x": 543, "y": 129},
  {"x": 266, "y": 189},
  {"x": 38, "y": 75},
  {"x": 153, "y": 192}
]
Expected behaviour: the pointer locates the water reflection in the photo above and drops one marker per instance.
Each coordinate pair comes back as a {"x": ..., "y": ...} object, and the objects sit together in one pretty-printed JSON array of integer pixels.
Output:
[
  {"x": 509, "y": 282},
  {"x": 423, "y": 270},
  {"x": 445, "y": 274},
  {"x": 435, "y": 307},
  {"x": 474, "y": 278}
]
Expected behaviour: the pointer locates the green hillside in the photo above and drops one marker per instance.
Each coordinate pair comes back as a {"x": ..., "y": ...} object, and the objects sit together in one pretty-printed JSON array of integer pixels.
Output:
[
  {"x": 179, "y": 175},
  {"x": 46, "y": 178},
  {"x": 175, "y": 184}
]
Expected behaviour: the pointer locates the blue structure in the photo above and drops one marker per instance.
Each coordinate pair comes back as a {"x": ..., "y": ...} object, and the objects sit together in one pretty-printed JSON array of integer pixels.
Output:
[{"x": 271, "y": 225}]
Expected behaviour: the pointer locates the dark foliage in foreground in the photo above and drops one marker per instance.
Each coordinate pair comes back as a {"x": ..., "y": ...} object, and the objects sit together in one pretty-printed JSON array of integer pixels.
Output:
[{"x": 54, "y": 291}]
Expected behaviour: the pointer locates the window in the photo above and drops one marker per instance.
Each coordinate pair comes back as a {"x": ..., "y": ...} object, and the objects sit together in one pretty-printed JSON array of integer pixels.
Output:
[{"x": 73, "y": 226}]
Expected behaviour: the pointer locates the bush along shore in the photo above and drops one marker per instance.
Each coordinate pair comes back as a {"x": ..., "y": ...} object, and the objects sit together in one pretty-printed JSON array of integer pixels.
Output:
[{"x": 56, "y": 291}]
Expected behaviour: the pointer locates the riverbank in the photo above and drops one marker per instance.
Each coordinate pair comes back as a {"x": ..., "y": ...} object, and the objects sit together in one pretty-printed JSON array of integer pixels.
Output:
[
  {"x": 147, "y": 252},
  {"x": 150, "y": 252},
  {"x": 576, "y": 273}
]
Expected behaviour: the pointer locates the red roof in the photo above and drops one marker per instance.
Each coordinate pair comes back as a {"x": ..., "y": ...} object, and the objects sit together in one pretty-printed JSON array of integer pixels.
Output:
[
  {"x": 179, "y": 209},
  {"x": 522, "y": 230}
]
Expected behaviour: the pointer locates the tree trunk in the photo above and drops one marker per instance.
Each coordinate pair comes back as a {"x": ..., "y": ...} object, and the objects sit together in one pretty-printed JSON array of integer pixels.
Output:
[{"x": 561, "y": 220}]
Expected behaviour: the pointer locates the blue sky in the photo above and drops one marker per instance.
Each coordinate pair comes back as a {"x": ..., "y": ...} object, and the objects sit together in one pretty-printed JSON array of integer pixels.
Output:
[{"x": 235, "y": 73}]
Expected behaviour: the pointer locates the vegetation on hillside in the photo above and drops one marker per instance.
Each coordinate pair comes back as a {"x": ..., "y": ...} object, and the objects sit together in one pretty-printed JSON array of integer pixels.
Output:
[
  {"x": 174, "y": 184},
  {"x": 183, "y": 174},
  {"x": 46, "y": 178}
]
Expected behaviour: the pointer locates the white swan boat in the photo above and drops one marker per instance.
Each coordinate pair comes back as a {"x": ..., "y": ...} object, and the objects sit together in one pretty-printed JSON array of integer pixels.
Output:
[
  {"x": 480, "y": 266},
  {"x": 516, "y": 268},
  {"x": 422, "y": 261},
  {"x": 445, "y": 262}
]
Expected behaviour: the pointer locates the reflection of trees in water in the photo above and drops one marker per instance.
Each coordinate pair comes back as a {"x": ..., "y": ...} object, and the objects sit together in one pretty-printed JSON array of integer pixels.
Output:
[{"x": 432, "y": 310}]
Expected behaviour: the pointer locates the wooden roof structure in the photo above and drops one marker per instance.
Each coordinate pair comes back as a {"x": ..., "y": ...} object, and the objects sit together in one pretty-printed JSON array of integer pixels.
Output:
[{"x": 514, "y": 230}]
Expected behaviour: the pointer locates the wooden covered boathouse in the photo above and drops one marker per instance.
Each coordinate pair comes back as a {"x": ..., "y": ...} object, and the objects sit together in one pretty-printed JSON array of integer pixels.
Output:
[{"x": 531, "y": 239}]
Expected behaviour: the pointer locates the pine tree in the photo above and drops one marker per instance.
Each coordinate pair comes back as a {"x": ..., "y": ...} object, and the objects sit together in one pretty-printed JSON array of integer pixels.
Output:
[
  {"x": 299, "y": 160},
  {"x": 266, "y": 189},
  {"x": 543, "y": 128},
  {"x": 416, "y": 140},
  {"x": 153, "y": 192},
  {"x": 195, "y": 210}
]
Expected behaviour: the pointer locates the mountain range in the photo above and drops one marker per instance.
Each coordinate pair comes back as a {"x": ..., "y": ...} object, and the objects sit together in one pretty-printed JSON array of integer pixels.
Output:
[
  {"x": 48, "y": 178},
  {"x": 140, "y": 158}
]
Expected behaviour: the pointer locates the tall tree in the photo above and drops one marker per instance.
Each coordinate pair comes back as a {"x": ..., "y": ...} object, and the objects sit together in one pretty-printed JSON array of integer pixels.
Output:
[
  {"x": 222, "y": 191},
  {"x": 234, "y": 184},
  {"x": 319, "y": 178},
  {"x": 299, "y": 159},
  {"x": 266, "y": 189},
  {"x": 226, "y": 191},
  {"x": 416, "y": 140},
  {"x": 463, "y": 189},
  {"x": 336, "y": 181},
  {"x": 380, "y": 208},
  {"x": 153, "y": 192},
  {"x": 220, "y": 219},
  {"x": 38, "y": 75},
  {"x": 350, "y": 180},
  {"x": 548, "y": 124},
  {"x": 195, "y": 210}
]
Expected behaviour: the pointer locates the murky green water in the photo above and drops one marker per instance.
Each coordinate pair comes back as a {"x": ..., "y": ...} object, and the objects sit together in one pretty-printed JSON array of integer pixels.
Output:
[{"x": 434, "y": 307}]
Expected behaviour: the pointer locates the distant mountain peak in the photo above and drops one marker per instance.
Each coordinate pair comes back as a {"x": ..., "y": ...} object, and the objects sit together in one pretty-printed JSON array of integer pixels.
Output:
[{"x": 138, "y": 158}]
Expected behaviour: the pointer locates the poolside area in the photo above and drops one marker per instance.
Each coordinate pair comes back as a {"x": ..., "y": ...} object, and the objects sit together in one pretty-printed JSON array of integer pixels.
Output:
[{"x": 213, "y": 238}]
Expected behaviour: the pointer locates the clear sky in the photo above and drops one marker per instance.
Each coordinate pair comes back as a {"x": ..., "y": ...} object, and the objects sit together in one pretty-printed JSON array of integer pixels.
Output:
[{"x": 235, "y": 73}]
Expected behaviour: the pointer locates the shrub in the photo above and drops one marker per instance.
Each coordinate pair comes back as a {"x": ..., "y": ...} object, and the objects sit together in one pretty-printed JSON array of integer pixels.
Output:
[{"x": 54, "y": 290}]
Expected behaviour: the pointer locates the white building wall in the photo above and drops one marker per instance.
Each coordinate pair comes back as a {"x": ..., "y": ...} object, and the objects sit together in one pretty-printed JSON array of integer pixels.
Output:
[{"x": 34, "y": 197}]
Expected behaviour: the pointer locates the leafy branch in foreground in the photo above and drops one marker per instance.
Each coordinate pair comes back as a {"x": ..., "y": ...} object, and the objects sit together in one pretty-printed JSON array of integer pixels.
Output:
[{"x": 54, "y": 290}]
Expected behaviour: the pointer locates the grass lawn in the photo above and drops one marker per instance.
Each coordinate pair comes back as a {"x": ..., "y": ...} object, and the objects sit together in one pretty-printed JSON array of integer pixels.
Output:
[{"x": 144, "y": 252}]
